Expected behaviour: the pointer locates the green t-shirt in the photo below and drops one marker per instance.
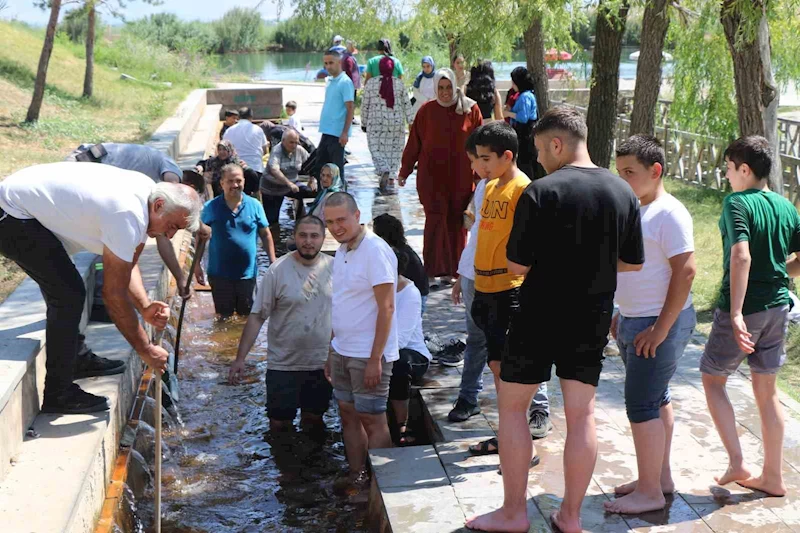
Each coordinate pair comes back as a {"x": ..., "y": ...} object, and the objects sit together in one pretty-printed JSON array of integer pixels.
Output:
[
  {"x": 770, "y": 223},
  {"x": 374, "y": 70}
]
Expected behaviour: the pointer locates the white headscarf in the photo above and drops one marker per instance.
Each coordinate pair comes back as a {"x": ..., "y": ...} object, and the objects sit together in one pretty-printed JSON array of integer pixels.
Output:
[{"x": 462, "y": 103}]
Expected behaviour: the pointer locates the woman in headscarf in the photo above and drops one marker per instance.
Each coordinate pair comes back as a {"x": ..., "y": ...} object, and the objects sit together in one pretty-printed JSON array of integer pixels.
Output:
[
  {"x": 330, "y": 181},
  {"x": 385, "y": 109},
  {"x": 524, "y": 115},
  {"x": 373, "y": 69},
  {"x": 424, "y": 91},
  {"x": 211, "y": 168},
  {"x": 444, "y": 177},
  {"x": 482, "y": 88}
]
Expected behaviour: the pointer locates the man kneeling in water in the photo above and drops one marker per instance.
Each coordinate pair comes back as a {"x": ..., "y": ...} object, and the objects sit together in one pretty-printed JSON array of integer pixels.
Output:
[{"x": 295, "y": 295}]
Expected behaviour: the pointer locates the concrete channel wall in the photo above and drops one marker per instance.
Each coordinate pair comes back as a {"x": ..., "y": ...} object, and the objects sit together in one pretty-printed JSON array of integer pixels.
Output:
[{"x": 64, "y": 463}]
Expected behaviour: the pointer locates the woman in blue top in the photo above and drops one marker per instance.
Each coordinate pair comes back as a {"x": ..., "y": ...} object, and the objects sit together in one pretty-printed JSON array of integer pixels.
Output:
[{"x": 523, "y": 116}]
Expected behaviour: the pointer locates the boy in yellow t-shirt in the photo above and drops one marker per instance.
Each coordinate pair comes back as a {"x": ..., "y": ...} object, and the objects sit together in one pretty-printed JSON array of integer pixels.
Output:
[{"x": 496, "y": 289}]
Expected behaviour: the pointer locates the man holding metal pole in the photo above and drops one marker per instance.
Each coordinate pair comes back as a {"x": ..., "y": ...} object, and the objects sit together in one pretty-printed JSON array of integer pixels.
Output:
[{"x": 48, "y": 212}]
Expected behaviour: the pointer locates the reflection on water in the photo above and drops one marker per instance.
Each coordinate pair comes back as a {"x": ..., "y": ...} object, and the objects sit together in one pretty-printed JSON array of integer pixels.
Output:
[
  {"x": 303, "y": 66},
  {"x": 226, "y": 471}
]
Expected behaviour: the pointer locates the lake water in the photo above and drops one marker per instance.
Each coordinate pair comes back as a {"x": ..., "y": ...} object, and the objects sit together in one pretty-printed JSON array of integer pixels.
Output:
[{"x": 303, "y": 66}]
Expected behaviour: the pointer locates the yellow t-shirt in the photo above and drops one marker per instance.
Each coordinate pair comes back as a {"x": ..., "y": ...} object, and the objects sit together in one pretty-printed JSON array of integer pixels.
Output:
[{"x": 497, "y": 217}]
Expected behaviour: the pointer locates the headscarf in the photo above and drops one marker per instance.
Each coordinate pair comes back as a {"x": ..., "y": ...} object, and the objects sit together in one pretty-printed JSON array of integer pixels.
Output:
[
  {"x": 215, "y": 164},
  {"x": 386, "y": 91},
  {"x": 462, "y": 103},
  {"x": 385, "y": 46},
  {"x": 337, "y": 185},
  {"x": 428, "y": 60}
]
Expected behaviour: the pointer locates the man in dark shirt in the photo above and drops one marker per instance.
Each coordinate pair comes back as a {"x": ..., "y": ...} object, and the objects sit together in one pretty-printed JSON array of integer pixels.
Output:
[{"x": 573, "y": 231}]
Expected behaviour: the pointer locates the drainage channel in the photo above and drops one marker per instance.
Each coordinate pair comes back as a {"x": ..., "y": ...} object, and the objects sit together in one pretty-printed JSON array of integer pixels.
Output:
[{"x": 223, "y": 469}]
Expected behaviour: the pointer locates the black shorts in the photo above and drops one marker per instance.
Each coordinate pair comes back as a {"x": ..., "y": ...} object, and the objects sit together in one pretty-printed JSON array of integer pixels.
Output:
[
  {"x": 571, "y": 337},
  {"x": 492, "y": 312},
  {"x": 287, "y": 391},
  {"x": 232, "y": 295}
]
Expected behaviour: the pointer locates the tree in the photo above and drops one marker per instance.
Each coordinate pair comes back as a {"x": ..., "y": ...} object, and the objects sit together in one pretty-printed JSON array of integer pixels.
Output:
[
  {"x": 602, "y": 113},
  {"x": 747, "y": 32},
  {"x": 535, "y": 61},
  {"x": 648, "y": 68},
  {"x": 44, "y": 60},
  {"x": 88, "y": 78}
]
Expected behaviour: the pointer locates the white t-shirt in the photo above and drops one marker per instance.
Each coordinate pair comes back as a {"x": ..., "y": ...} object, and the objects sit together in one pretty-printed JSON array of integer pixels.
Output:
[
  {"x": 466, "y": 265},
  {"x": 294, "y": 122},
  {"x": 409, "y": 320},
  {"x": 248, "y": 140},
  {"x": 667, "y": 231},
  {"x": 355, "y": 310},
  {"x": 86, "y": 205}
]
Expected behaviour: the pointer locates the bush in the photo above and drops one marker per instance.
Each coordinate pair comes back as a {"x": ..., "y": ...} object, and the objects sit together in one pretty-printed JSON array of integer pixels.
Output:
[
  {"x": 240, "y": 30},
  {"x": 151, "y": 61},
  {"x": 168, "y": 30},
  {"x": 76, "y": 24}
]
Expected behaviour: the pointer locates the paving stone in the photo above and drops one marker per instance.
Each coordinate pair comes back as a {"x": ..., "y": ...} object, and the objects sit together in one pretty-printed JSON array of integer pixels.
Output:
[
  {"x": 423, "y": 509},
  {"x": 412, "y": 466},
  {"x": 486, "y": 504},
  {"x": 441, "y": 377}
]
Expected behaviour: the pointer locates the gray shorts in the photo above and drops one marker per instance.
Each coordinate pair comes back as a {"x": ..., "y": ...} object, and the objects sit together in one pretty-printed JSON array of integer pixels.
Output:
[
  {"x": 722, "y": 355},
  {"x": 347, "y": 377}
]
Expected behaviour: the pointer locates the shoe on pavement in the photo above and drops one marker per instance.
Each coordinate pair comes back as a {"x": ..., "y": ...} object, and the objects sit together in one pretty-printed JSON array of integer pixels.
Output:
[
  {"x": 93, "y": 365},
  {"x": 462, "y": 411},
  {"x": 452, "y": 354},
  {"x": 540, "y": 425},
  {"x": 434, "y": 346},
  {"x": 74, "y": 401}
]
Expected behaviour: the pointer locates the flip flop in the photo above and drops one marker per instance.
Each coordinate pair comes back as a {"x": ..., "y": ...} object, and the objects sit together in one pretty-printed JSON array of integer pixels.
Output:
[
  {"x": 482, "y": 448},
  {"x": 534, "y": 462}
]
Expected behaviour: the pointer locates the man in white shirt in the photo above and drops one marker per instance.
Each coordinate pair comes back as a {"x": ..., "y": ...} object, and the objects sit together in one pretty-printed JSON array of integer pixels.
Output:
[
  {"x": 295, "y": 295},
  {"x": 248, "y": 139},
  {"x": 48, "y": 212},
  {"x": 364, "y": 344}
]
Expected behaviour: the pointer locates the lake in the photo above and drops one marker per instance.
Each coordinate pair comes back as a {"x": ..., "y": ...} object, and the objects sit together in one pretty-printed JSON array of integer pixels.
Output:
[{"x": 303, "y": 66}]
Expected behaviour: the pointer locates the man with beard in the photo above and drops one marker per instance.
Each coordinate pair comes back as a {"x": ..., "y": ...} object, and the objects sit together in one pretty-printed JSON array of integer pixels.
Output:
[{"x": 295, "y": 295}]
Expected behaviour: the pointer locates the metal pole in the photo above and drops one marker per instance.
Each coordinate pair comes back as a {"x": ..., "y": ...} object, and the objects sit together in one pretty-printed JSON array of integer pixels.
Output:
[
  {"x": 158, "y": 452},
  {"x": 198, "y": 256}
]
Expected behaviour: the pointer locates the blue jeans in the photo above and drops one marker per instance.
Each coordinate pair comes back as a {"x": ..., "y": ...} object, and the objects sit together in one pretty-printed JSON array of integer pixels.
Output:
[
  {"x": 647, "y": 379},
  {"x": 475, "y": 355}
]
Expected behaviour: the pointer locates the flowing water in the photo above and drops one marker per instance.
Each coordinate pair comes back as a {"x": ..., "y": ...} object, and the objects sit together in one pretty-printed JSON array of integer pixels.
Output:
[{"x": 225, "y": 470}]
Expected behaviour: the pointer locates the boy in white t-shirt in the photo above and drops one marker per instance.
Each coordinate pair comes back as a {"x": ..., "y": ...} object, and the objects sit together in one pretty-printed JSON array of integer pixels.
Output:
[
  {"x": 655, "y": 321},
  {"x": 293, "y": 121}
]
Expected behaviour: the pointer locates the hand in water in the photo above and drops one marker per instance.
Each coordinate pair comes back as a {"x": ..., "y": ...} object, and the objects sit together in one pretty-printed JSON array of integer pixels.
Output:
[{"x": 235, "y": 372}]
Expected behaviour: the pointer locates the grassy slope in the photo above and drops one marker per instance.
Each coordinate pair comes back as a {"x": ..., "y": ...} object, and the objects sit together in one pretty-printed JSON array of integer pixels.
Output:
[{"x": 120, "y": 111}]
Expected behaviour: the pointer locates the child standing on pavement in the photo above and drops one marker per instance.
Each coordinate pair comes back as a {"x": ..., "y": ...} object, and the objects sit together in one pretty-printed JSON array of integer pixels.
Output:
[{"x": 760, "y": 229}]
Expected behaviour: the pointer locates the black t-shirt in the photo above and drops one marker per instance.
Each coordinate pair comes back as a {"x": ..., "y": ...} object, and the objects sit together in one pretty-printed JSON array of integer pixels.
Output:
[
  {"x": 415, "y": 271},
  {"x": 571, "y": 227}
]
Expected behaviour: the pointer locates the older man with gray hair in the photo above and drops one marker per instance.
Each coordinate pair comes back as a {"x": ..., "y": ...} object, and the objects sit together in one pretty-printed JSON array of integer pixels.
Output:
[
  {"x": 47, "y": 213},
  {"x": 281, "y": 178}
]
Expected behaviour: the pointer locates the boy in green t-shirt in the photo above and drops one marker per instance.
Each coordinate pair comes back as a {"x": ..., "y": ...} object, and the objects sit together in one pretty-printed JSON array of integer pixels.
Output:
[{"x": 760, "y": 229}]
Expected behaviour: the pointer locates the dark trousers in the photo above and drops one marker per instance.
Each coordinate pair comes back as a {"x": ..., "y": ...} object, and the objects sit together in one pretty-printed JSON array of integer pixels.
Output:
[
  {"x": 42, "y": 256},
  {"x": 231, "y": 295},
  {"x": 272, "y": 204},
  {"x": 330, "y": 151},
  {"x": 411, "y": 365}
]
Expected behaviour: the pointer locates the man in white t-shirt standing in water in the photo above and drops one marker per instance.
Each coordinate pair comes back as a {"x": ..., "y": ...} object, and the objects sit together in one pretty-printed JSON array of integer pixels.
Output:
[
  {"x": 47, "y": 213},
  {"x": 364, "y": 344}
]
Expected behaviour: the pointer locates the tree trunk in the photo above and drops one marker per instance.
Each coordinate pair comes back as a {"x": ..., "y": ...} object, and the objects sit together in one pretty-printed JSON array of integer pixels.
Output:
[
  {"x": 452, "y": 45},
  {"x": 44, "y": 60},
  {"x": 602, "y": 114},
  {"x": 648, "y": 68},
  {"x": 88, "y": 78},
  {"x": 757, "y": 96},
  {"x": 534, "y": 57}
]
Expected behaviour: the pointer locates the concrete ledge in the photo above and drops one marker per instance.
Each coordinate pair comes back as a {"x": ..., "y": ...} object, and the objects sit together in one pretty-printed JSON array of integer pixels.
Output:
[
  {"x": 174, "y": 134},
  {"x": 22, "y": 340}
]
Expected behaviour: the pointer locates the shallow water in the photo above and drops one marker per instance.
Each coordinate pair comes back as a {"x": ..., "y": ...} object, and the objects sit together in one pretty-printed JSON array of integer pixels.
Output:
[{"x": 226, "y": 470}]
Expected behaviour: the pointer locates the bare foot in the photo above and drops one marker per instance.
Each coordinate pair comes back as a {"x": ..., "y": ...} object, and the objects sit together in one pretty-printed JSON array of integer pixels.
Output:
[
  {"x": 499, "y": 520},
  {"x": 636, "y": 503},
  {"x": 667, "y": 487},
  {"x": 769, "y": 486},
  {"x": 565, "y": 526},
  {"x": 733, "y": 474}
]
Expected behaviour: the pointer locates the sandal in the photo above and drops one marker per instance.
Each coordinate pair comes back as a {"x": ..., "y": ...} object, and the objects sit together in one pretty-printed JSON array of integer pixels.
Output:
[
  {"x": 534, "y": 462},
  {"x": 407, "y": 438},
  {"x": 482, "y": 448}
]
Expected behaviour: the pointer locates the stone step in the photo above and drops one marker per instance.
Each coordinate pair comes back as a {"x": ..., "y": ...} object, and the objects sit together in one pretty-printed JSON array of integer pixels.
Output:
[
  {"x": 202, "y": 138},
  {"x": 22, "y": 358}
]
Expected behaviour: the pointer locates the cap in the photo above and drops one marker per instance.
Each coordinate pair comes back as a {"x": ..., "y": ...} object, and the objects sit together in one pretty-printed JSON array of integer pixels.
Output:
[{"x": 338, "y": 39}]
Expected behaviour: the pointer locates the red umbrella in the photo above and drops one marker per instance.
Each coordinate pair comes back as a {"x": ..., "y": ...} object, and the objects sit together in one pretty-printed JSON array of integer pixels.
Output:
[{"x": 555, "y": 55}]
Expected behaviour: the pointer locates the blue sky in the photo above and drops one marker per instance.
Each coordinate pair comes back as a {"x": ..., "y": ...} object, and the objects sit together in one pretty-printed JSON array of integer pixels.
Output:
[{"x": 24, "y": 10}]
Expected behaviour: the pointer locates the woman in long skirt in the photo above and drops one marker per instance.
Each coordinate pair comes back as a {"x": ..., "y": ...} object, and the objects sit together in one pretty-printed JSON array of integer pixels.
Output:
[{"x": 385, "y": 110}]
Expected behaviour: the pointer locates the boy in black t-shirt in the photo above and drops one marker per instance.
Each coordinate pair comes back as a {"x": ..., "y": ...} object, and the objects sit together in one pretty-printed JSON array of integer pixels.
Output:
[{"x": 573, "y": 231}]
